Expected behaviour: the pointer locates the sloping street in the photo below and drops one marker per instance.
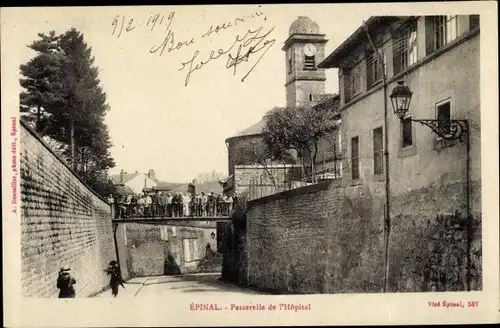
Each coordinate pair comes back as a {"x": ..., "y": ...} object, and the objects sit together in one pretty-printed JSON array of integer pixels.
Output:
[{"x": 205, "y": 283}]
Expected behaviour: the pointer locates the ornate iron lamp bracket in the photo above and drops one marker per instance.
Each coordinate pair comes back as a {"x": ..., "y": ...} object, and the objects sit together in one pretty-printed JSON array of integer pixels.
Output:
[{"x": 447, "y": 129}]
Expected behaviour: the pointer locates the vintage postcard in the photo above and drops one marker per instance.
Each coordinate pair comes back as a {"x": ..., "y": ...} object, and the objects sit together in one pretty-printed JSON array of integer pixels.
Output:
[{"x": 278, "y": 164}]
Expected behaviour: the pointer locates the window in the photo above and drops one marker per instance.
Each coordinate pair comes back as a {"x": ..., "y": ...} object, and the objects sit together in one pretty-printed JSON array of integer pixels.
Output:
[
  {"x": 445, "y": 30},
  {"x": 406, "y": 133},
  {"x": 355, "y": 158},
  {"x": 310, "y": 97},
  {"x": 310, "y": 62},
  {"x": 405, "y": 48},
  {"x": 375, "y": 68},
  {"x": 353, "y": 84},
  {"x": 378, "y": 151},
  {"x": 473, "y": 21},
  {"x": 289, "y": 59},
  {"x": 443, "y": 115},
  {"x": 378, "y": 66}
]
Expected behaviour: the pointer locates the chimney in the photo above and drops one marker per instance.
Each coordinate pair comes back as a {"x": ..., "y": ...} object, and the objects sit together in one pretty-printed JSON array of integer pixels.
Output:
[
  {"x": 136, "y": 171},
  {"x": 122, "y": 173},
  {"x": 151, "y": 174}
]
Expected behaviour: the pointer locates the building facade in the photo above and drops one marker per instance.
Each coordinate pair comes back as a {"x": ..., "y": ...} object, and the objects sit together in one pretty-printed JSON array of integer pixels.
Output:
[
  {"x": 137, "y": 182},
  {"x": 437, "y": 57}
]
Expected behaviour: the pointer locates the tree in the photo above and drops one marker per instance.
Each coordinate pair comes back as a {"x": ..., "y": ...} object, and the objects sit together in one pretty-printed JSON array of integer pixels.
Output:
[
  {"x": 42, "y": 81},
  {"x": 298, "y": 128},
  {"x": 63, "y": 97}
]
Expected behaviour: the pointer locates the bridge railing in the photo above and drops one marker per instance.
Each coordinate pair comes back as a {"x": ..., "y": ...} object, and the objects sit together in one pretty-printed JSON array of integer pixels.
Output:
[{"x": 125, "y": 211}]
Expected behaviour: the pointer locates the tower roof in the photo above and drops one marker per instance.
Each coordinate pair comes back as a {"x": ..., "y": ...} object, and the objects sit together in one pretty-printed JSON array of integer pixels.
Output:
[{"x": 303, "y": 25}]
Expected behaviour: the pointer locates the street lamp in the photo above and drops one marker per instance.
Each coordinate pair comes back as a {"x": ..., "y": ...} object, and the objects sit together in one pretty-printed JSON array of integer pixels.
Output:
[{"x": 446, "y": 129}]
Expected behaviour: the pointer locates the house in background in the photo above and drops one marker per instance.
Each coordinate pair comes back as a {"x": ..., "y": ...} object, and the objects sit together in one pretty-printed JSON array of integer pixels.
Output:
[
  {"x": 166, "y": 186},
  {"x": 206, "y": 187},
  {"x": 438, "y": 58},
  {"x": 135, "y": 181}
]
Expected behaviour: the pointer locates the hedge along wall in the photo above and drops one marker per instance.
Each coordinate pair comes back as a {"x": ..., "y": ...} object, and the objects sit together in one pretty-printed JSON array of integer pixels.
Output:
[{"x": 62, "y": 222}]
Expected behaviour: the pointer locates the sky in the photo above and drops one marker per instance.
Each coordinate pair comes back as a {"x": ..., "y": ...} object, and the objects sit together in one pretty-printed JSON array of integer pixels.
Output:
[{"x": 158, "y": 122}]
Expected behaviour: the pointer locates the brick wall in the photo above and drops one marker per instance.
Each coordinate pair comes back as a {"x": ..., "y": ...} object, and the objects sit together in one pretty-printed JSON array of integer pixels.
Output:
[
  {"x": 153, "y": 250},
  {"x": 289, "y": 238},
  {"x": 62, "y": 222},
  {"x": 327, "y": 239}
]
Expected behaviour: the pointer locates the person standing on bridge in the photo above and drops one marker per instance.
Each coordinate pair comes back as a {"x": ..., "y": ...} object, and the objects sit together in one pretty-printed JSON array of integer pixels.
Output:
[
  {"x": 115, "y": 277},
  {"x": 192, "y": 192},
  {"x": 162, "y": 204},
  {"x": 204, "y": 201},
  {"x": 148, "y": 205},
  {"x": 140, "y": 206},
  {"x": 65, "y": 282},
  {"x": 169, "y": 205},
  {"x": 186, "y": 198},
  {"x": 177, "y": 205},
  {"x": 154, "y": 205},
  {"x": 211, "y": 204}
]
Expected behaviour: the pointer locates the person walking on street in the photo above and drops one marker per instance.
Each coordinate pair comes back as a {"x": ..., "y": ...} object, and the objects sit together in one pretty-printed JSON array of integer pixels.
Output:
[
  {"x": 115, "y": 277},
  {"x": 65, "y": 283}
]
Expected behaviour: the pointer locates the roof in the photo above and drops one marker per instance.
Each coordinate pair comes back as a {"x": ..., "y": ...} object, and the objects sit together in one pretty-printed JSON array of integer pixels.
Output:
[
  {"x": 333, "y": 60},
  {"x": 115, "y": 178},
  {"x": 206, "y": 187},
  {"x": 254, "y": 129},
  {"x": 166, "y": 186},
  {"x": 303, "y": 25}
]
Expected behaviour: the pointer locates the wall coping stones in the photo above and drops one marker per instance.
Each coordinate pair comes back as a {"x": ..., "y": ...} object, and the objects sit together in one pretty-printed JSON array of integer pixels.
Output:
[
  {"x": 320, "y": 186},
  {"x": 31, "y": 131}
]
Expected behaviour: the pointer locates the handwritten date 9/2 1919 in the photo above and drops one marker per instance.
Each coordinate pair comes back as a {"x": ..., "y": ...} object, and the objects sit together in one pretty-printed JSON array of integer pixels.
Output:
[{"x": 252, "y": 42}]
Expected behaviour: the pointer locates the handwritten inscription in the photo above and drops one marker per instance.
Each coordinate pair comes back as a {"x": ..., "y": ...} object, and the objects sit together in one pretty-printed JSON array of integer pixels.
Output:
[
  {"x": 251, "y": 43},
  {"x": 241, "y": 49}
]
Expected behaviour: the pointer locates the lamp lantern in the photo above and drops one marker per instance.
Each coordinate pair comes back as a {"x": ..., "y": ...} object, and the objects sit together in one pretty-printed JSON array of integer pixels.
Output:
[{"x": 400, "y": 99}]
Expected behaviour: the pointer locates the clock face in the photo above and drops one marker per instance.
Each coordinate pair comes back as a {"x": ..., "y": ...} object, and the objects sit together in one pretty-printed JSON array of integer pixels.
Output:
[{"x": 309, "y": 49}]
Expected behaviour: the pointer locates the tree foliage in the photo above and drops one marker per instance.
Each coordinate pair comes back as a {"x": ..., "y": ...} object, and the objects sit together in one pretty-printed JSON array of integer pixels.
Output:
[
  {"x": 298, "y": 128},
  {"x": 62, "y": 93}
]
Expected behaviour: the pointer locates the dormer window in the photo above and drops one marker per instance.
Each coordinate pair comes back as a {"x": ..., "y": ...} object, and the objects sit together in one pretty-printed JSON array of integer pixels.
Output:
[{"x": 310, "y": 62}]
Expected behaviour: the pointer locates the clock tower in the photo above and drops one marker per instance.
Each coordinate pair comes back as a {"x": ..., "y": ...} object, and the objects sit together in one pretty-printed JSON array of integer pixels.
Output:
[{"x": 304, "y": 50}]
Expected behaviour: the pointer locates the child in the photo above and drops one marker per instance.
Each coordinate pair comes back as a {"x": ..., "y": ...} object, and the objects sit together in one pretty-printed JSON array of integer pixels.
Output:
[
  {"x": 65, "y": 283},
  {"x": 116, "y": 277}
]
